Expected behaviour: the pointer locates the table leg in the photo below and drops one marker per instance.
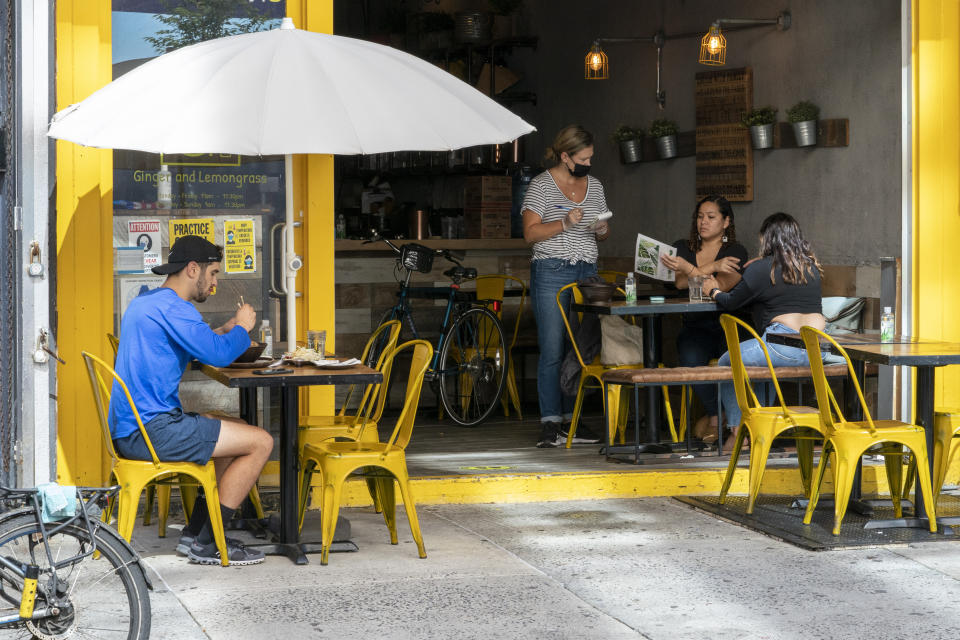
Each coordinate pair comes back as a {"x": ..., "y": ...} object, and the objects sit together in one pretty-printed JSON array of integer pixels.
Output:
[{"x": 652, "y": 355}]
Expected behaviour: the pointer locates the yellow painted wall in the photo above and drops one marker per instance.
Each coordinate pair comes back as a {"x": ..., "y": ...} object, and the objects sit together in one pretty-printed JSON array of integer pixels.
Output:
[
  {"x": 936, "y": 179},
  {"x": 84, "y": 233},
  {"x": 84, "y": 241}
]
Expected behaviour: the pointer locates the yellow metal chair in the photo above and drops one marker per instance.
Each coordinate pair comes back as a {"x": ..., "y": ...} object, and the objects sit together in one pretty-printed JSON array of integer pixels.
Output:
[
  {"x": 134, "y": 475},
  {"x": 361, "y": 425},
  {"x": 115, "y": 343},
  {"x": 850, "y": 440},
  {"x": 765, "y": 424},
  {"x": 383, "y": 461},
  {"x": 612, "y": 276},
  {"x": 491, "y": 287},
  {"x": 594, "y": 370},
  {"x": 946, "y": 427}
]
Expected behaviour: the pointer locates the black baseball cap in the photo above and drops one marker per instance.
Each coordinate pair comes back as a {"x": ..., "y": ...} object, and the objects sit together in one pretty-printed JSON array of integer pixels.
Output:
[{"x": 189, "y": 249}]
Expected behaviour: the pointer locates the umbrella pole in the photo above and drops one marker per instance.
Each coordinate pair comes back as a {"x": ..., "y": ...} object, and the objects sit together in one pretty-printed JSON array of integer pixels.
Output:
[{"x": 291, "y": 262}]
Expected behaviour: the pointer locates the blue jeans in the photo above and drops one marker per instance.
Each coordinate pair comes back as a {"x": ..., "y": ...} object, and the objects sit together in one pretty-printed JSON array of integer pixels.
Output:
[
  {"x": 780, "y": 356},
  {"x": 547, "y": 277},
  {"x": 696, "y": 347}
]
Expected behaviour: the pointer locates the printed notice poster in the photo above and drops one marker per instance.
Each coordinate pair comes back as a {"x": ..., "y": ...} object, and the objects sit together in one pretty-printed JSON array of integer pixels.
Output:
[
  {"x": 146, "y": 234},
  {"x": 239, "y": 246},
  {"x": 132, "y": 286},
  {"x": 202, "y": 227}
]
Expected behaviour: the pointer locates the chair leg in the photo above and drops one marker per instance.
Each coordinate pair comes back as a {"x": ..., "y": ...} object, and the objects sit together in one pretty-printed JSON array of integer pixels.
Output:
[
  {"x": 306, "y": 478},
  {"x": 388, "y": 500},
  {"x": 893, "y": 461},
  {"x": 759, "y": 452},
  {"x": 148, "y": 504},
  {"x": 411, "y": 508},
  {"x": 577, "y": 406},
  {"x": 621, "y": 425},
  {"x": 328, "y": 514},
  {"x": 732, "y": 466},
  {"x": 255, "y": 501},
  {"x": 844, "y": 468},
  {"x": 188, "y": 495},
  {"x": 512, "y": 392},
  {"x": 216, "y": 520},
  {"x": 909, "y": 478},
  {"x": 374, "y": 495},
  {"x": 805, "y": 462},
  {"x": 128, "y": 499},
  {"x": 923, "y": 475},
  {"x": 942, "y": 449},
  {"x": 163, "y": 509},
  {"x": 817, "y": 482}
]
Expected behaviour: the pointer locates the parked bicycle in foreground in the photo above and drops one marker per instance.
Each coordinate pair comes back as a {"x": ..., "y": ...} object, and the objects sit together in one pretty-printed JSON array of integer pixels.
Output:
[
  {"x": 72, "y": 578},
  {"x": 469, "y": 366}
]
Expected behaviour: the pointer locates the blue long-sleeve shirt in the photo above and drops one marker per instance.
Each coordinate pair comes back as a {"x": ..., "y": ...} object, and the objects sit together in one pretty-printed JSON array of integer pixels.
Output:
[{"x": 159, "y": 335}]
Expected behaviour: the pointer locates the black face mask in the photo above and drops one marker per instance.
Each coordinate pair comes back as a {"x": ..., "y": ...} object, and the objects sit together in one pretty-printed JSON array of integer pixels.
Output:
[{"x": 579, "y": 170}]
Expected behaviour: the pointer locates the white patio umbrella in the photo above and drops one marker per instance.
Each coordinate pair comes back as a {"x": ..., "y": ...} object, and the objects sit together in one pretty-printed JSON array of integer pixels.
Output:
[{"x": 287, "y": 91}]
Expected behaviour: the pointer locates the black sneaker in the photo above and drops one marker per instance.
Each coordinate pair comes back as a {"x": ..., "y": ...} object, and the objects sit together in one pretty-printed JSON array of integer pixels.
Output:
[
  {"x": 583, "y": 435},
  {"x": 183, "y": 544},
  {"x": 549, "y": 435},
  {"x": 237, "y": 553}
]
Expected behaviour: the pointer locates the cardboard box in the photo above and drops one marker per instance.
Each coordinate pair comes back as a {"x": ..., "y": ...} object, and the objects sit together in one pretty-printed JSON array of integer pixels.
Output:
[
  {"x": 482, "y": 191},
  {"x": 487, "y": 222}
]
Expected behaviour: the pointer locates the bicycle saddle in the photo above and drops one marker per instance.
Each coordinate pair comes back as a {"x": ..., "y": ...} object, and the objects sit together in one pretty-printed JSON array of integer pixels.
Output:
[{"x": 458, "y": 274}]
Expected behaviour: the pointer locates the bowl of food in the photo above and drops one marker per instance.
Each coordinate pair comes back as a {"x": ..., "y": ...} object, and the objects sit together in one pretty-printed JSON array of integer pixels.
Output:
[
  {"x": 598, "y": 291},
  {"x": 252, "y": 353}
]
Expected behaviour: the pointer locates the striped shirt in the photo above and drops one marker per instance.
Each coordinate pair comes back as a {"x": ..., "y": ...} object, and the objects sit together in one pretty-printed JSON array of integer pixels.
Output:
[{"x": 578, "y": 242}]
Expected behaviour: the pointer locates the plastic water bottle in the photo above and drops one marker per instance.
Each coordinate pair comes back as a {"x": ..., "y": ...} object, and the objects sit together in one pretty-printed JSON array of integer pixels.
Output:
[
  {"x": 164, "y": 188},
  {"x": 630, "y": 288},
  {"x": 888, "y": 323},
  {"x": 266, "y": 337},
  {"x": 341, "y": 227}
]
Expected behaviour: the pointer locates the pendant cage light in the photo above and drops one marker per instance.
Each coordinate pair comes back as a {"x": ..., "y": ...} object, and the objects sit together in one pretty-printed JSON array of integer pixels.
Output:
[
  {"x": 713, "y": 47},
  {"x": 596, "y": 65}
]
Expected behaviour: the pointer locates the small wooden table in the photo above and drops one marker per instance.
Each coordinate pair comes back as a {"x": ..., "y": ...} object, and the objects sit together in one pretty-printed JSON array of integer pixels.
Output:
[
  {"x": 905, "y": 351},
  {"x": 651, "y": 314},
  {"x": 288, "y": 543}
]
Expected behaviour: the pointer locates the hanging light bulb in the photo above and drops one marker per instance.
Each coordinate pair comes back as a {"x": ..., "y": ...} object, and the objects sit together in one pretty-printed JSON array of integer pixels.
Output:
[
  {"x": 713, "y": 47},
  {"x": 595, "y": 64}
]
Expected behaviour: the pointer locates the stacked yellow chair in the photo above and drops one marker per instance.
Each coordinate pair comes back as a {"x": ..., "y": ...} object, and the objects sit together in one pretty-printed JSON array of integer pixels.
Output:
[
  {"x": 491, "y": 287},
  {"x": 134, "y": 475},
  {"x": 593, "y": 370},
  {"x": 353, "y": 426},
  {"x": 765, "y": 424},
  {"x": 384, "y": 461},
  {"x": 848, "y": 441},
  {"x": 946, "y": 427}
]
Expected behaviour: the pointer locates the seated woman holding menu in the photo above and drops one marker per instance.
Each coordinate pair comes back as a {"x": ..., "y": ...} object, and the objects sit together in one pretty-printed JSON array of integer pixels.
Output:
[
  {"x": 783, "y": 285},
  {"x": 711, "y": 250}
]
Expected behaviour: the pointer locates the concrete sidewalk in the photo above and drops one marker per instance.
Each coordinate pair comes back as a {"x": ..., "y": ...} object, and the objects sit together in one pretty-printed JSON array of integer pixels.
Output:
[{"x": 641, "y": 568}]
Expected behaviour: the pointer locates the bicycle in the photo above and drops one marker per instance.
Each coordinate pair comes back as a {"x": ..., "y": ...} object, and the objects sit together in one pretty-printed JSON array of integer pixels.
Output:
[
  {"x": 468, "y": 370},
  {"x": 74, "y": 578}
]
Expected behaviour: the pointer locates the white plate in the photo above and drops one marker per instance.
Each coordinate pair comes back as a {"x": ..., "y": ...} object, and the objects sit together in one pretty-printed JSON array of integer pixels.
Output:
[{"x": 336, "y": 364}]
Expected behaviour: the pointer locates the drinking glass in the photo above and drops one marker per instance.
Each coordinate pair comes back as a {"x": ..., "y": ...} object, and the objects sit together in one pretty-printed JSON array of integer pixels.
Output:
[
  {"x": 695, "y": 284},
  {"x": 317, "y": 340}
]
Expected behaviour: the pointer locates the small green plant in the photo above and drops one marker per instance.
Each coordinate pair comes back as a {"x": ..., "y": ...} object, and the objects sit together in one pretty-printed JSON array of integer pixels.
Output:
[
  {"x": 623, "y": 133},
  {"x": 662, "y": 127},
  {"x": 803, "y": 111},
  {"x": 756, "y": 117},
  {"x": 504, "y": 7}
]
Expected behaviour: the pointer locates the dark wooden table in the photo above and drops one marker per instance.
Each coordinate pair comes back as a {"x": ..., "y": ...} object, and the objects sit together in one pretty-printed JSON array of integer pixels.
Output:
[
  {"x": 651, "y": 315},
  {"x": 904, "y": 351},
  {"x": 288, "y": 542}
]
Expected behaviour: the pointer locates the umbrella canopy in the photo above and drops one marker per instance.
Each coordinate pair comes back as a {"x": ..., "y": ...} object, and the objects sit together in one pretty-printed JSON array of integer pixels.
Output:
[{"x": 287, "y": 91}]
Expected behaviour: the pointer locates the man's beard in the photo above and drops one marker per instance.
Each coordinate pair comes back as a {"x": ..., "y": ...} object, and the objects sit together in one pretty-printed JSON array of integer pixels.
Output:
[{"x": 203, "y": 290}]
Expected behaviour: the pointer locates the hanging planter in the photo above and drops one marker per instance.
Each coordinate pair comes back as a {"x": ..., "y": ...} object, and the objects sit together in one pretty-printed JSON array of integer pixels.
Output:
[
  {"x": 664, "y": 132},
  {"x": 803, "y": 116},
  {"x": 628, "y": 139},
  {"x": 760, "y": 122}
]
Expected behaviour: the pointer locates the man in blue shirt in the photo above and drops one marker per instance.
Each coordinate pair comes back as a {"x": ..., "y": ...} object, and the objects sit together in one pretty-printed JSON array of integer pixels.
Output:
[{"x": 160, "y": 334}]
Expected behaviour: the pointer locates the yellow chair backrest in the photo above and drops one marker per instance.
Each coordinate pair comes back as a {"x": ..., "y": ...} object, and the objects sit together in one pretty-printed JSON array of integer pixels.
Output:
[
  {"x": 491, "y": 287},
  {"x": 102, "y": 379},
  {"x": 115, "y": 343},
  {"x": 830, "y": 412},
  {"x": 746, "y": 398},
  {"x": 380, "y": 343},
  {"x": 612, "y": 276},
  {"x": 419, "y": 362},
  {"x": 577, "y": 298}
]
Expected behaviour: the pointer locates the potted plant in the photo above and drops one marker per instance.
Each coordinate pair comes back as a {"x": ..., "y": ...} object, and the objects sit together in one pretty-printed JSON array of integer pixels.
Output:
[
  {"x": 760, "y": 122},
  {"x": 804, "y": 116},
  {"x": 664, "y": 131},
  {"x": 628, "y": 139}
]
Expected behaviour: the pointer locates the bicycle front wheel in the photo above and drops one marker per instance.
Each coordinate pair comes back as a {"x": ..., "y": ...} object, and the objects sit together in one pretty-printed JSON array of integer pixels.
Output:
[
  {"x": 473, "y": 366},
  {"x": 102, "y": 595}
]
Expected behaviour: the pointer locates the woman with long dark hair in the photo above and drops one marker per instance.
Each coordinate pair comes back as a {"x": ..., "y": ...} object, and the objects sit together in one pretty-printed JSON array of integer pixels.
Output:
[
  {"x": 560, "y": 220},
  {"x": 783, "y": 285},
  {"x": 711, "y": 249}
]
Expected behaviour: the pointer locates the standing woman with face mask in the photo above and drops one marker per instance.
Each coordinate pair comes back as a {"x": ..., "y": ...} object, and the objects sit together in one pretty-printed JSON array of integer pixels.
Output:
[{"x": 559, "y": 210}]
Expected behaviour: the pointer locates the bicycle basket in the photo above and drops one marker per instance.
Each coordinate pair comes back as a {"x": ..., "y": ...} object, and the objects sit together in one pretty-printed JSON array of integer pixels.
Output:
[{"x": 416, "y": 257}]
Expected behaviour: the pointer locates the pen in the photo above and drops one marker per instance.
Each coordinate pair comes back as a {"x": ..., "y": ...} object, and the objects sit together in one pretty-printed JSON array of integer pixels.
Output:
[{"x": 560, "y": 206}]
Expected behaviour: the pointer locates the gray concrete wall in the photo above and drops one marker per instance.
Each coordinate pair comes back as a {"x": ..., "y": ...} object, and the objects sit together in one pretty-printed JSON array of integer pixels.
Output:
[{"x": 842, "y": 54}]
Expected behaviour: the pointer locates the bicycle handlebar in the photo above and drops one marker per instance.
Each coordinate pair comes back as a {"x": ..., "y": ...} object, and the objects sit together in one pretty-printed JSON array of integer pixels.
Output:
[{"x": 453, "y": 256}]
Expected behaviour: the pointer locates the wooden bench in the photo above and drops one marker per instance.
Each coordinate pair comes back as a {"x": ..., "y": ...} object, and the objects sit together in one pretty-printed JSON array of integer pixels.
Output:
[{"x": 677, "y": 376}]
